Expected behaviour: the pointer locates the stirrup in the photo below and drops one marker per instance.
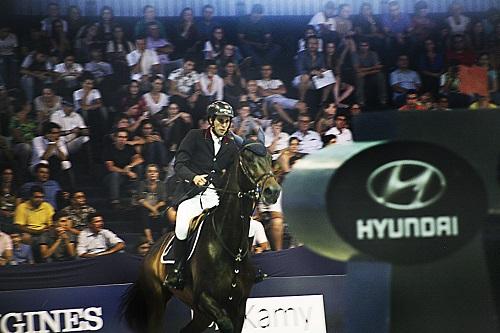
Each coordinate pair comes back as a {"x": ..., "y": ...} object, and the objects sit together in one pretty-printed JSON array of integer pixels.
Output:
[{"x": 260, "y": 276}]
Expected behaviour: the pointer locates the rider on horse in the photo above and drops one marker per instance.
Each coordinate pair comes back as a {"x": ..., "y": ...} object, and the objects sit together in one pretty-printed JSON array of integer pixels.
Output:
[{"x": 201, "y": 160}]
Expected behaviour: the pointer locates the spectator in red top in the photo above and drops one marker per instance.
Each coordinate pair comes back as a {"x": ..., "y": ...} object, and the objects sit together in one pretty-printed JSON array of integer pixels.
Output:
[
  {"x": 458, "y": 52},
  {"x": 412, "y": 103}
]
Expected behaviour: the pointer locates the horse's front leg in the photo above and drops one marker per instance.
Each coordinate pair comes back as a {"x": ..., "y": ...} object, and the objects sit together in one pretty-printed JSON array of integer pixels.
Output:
[
  {"x": 239, "y": 317},
  {"x": 198, "y": 324},
  {"x": 210, "y": 306}
]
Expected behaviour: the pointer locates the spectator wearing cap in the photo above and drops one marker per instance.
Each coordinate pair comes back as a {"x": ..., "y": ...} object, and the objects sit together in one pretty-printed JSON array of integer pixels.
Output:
[
  {"x": 342, "y": 133},
  {"x": 34, "y": 217},
  {"x": 78, "y": 211},
  {"x": 96, "y": 241},
  {"x": 77, "y": 133},
  {"x": 58, "y": 243},
  {"x": 50, "y": 149}
]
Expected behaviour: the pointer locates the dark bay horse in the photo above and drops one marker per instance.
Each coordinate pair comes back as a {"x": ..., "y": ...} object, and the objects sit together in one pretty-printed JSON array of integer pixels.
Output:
[{"x": 219, "y": 275}]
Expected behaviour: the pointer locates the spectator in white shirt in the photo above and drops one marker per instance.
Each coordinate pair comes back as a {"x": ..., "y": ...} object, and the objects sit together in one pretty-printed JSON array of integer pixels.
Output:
[
  {"x": 273, "y": 91},
  {"x": 184, "y": 86},
  {"x": 72, "y": 123},
  {"x": 457, "y": 22},
  {"x": 50, "y": 148},
  {"x": 310, "y": 141},
  {"x": 143, "y": 63},
  {"x": 96, "y": 241},
  {"x": 88, "y": 102},
  {"x": 275, "y": 139},
  {"x": 68, "y": 74},
  {"x": 260, "y": 242},
  {"x": 156, "y": 100},
  {"x": 211, "y": 86},
  {"x": 36, "y": 70},
  {"x": 342, "y": 133},
  {"x": 324, "y": 21}
]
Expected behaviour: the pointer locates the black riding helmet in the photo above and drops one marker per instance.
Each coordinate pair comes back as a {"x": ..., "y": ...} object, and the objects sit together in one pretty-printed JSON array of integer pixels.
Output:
[{"x": 220, "y": 108}]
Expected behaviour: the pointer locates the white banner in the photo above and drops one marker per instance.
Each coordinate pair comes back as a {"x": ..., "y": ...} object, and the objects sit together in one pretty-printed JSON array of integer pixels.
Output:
[{"x": 290, "y": 314}]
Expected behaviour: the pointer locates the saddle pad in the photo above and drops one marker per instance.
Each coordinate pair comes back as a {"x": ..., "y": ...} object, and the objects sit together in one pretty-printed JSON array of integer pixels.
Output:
[{"x": 168, "y": 257}]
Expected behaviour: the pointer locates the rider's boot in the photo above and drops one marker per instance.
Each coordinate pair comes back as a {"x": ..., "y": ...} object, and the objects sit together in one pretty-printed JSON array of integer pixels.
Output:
[{"x": 175, "y": 278}]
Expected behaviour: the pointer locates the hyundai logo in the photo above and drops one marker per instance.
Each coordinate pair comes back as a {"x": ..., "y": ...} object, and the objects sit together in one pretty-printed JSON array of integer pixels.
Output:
[{"x": 406, "y": 185}]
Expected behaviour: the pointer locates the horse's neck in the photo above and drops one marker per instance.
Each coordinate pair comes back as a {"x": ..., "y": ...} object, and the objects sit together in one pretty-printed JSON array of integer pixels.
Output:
[{"x": 234, "y": 212}]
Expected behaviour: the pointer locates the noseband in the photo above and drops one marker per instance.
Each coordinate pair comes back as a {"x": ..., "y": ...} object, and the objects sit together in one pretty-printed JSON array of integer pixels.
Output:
[
  {"x": 258, "y": 185},
  {"x": 256, "y": 192}
]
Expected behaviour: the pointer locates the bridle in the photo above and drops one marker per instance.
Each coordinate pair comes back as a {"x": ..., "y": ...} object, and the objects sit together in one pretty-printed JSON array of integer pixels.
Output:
[{"x": 256, "y": 192}]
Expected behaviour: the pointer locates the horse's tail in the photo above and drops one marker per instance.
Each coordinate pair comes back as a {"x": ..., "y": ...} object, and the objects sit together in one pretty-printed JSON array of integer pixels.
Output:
[{"x": 143, "y": 304}]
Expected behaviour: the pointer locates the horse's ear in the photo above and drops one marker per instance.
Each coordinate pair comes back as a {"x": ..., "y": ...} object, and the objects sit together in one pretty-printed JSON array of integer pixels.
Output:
[
  {"x": 255, "y": 146},
  {"x": 238, "y": 140}
]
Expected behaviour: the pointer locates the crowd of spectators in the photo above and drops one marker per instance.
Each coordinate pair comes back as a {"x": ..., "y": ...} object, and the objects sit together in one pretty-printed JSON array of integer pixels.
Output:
[{"x": 80, "y": 95}]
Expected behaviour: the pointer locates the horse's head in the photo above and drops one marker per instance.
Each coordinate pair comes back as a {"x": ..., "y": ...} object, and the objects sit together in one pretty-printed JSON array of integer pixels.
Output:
[{"x": 256, "y": 166}]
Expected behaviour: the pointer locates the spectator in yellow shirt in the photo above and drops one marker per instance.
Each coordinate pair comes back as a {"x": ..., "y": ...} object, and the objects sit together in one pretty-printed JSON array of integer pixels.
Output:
[
  {"x": 483, "y": 102},
  {"x": 33, "y": 217}
]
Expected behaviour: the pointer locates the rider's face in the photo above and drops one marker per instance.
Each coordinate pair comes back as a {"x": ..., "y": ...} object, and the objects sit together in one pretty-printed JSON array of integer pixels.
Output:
[{"x": 221, "y": 125}]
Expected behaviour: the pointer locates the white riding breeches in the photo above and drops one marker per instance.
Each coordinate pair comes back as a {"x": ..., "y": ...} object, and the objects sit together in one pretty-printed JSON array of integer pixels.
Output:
[{"x": 190, "y": 208}]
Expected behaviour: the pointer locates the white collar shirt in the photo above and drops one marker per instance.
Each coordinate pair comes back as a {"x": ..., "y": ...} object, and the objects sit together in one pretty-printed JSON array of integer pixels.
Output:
[{"x": 309, "y": 141}]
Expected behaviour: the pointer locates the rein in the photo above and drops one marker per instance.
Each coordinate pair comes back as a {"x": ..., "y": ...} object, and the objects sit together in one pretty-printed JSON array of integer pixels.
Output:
[{"x": 254, "y": 194}]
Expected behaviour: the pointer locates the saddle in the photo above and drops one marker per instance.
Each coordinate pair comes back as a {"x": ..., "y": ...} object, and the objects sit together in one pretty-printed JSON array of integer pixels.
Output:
[{"x": 194, "y": 231}]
